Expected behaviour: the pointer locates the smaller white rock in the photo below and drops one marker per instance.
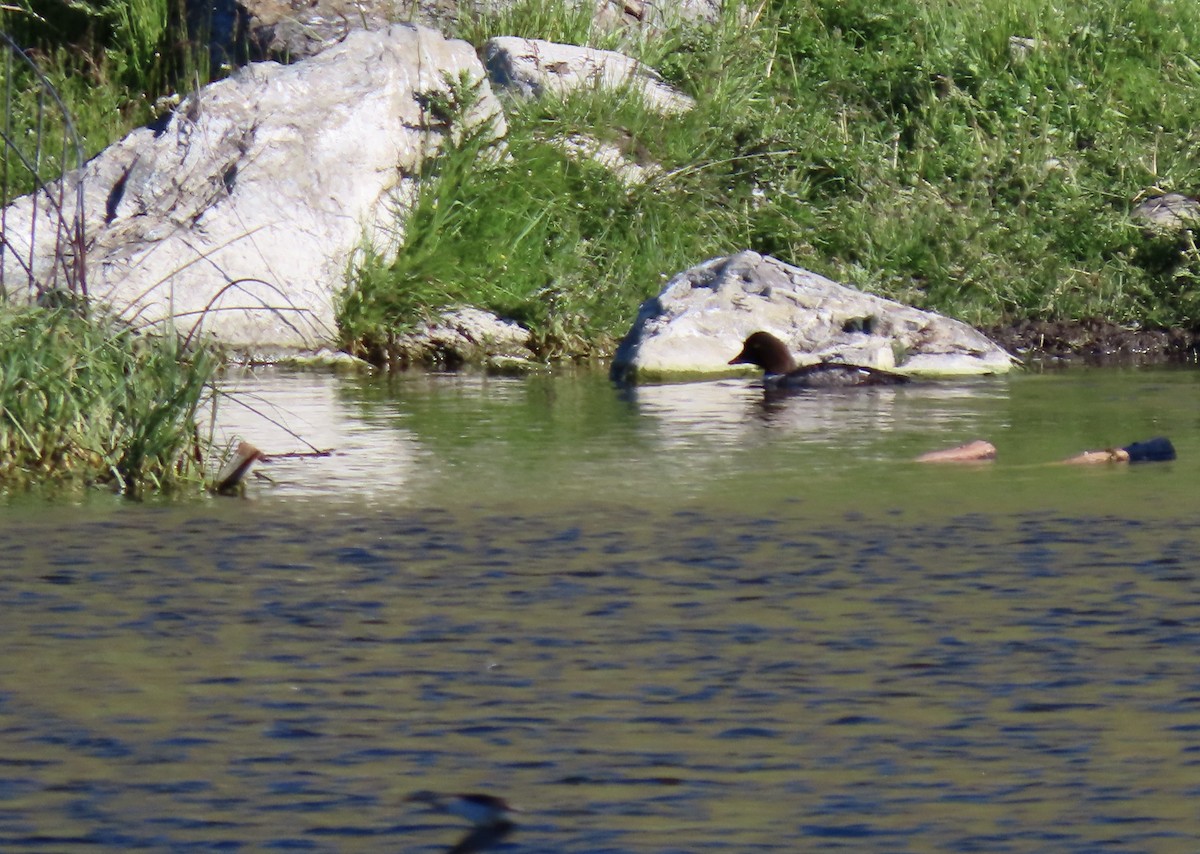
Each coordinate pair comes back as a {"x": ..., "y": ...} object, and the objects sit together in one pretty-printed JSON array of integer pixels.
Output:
[
  {"x": 699, "y": 321},
  {"x": 1168, "y": 212},
  {"x": 461, "y": 335},
  {"x": 534, "y": 67},
  {"x": 610, "y": 156}
]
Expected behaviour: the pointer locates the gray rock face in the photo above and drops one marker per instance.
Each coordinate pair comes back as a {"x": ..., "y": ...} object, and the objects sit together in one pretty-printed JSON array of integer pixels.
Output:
[
  {"x": 290, "y": 30},
  {"x": 466, "y": 335},
  {"x": 1168, "y": 212},
  {"x": 698, "y": 323},
  {"x": 666, "y": 14},
  {"x": 533, "y": 67},
  {"x": 243, "y": 212}
]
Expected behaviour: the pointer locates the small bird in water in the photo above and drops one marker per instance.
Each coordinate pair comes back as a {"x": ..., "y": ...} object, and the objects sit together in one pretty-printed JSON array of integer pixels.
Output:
[
  {"x": 491, "y": 816},
  {"x": 780, "y": 371}
]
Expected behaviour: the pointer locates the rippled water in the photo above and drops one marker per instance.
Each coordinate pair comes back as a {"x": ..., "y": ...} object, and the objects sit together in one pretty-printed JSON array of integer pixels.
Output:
[{"x": 679, "y": 620}]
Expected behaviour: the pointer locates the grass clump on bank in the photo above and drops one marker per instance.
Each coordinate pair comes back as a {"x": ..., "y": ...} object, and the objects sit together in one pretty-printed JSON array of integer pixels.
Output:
[
  {"x": 536, "y": 233},
  {"x": 85, "y": 400},
  {"x": 537, "y": 230},
  {"x": 982, "y": 158}
]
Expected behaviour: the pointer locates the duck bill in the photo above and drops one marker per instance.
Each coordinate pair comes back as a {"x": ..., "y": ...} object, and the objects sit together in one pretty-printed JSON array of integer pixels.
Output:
[{"x": 742, "y": 358}]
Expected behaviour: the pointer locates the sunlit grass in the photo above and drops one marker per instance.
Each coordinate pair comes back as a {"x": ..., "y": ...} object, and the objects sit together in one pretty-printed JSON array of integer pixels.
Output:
[
  {"x": 982, "y": 158},
  {"x": 109, "y": 62},
  {"x": 85, "y": 400},
  {"x": 539, "y": 234}
]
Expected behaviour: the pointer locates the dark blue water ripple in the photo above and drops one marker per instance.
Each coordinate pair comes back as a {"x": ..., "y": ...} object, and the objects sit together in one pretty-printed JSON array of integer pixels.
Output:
[{"x": 714, "y": 683}]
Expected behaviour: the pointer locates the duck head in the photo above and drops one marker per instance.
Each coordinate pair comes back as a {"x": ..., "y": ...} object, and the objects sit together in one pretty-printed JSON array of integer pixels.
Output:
[{"x": 766, "y": 351}]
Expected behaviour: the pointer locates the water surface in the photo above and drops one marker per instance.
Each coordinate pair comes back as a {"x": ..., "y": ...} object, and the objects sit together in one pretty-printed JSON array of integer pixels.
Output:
[{"x": 675, "y": 620}]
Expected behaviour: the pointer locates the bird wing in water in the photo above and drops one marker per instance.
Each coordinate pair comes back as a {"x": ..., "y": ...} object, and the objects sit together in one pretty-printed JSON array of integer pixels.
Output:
[{"x": 483, "y": 837}]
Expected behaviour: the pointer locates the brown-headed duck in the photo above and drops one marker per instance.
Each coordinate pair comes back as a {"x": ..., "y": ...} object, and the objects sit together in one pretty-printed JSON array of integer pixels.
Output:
[{"x": 780, "y": 370}]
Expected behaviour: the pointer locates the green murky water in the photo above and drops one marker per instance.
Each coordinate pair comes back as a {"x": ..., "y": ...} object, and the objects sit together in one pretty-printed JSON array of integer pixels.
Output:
[{"x": 674, "y": 620}]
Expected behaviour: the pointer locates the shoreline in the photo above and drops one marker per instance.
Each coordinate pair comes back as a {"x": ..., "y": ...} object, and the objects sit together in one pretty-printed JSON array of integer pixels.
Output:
[{"x": 1095, "y": 342}]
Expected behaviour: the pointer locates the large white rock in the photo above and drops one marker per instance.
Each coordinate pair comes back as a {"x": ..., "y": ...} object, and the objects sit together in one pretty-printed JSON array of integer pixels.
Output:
[
  {"x": 699, "y": 321},
  {"x": 245, "y": 209}
]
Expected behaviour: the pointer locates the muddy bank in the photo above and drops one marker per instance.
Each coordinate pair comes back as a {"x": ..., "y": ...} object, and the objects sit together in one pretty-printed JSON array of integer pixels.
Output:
[{"x": 1095, "y": 342}]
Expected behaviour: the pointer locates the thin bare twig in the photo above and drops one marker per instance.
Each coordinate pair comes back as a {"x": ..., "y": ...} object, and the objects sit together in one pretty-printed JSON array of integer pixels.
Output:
[{"x": 239, "y": 399}]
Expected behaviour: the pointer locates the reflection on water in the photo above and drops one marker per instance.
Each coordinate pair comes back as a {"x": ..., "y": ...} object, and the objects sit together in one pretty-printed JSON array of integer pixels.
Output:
[
  {"x": 653, "y": 626},
  {"x": 431, "y": 439},
  {"x": 733, "y": 412},
  {"x": 294, "y": 416},
  {"x": 397, "y": 438}
]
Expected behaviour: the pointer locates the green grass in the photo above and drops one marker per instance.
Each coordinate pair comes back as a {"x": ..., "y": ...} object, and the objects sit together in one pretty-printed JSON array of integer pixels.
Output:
[
  {"x": 551, "y": 20},
  {"x": 84, "y": 400},
  {"x": 109, "y": 61},
  {"x": 554, "y": 241},
  {"x": 981, "y": 158}
]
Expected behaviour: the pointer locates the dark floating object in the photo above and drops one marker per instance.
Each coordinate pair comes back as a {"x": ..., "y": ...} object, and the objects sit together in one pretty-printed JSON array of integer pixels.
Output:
[
  {"x": 1156, "y": 450},
  {"x": 490, "y": 815},
  {"x": 780, "y": 370}
]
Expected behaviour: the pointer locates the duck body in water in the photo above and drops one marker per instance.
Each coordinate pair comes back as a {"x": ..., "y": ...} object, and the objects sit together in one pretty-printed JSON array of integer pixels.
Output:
[{"x": 780, "y": 371}]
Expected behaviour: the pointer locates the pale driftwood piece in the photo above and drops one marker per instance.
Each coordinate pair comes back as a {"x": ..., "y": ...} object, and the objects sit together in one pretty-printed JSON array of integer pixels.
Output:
[{"x": 971, "y": 452}]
